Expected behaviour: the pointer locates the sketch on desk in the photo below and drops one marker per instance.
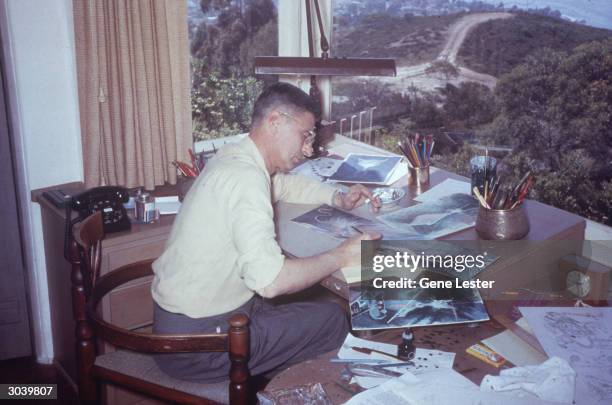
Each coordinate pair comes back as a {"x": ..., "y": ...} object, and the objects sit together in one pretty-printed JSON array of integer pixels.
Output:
[
  {"x": 401, "y": 308},
  {"x": 342, "y": 225},
  {"x": 582, "y": 337},
  {"x": 320, "y": 168},
  {"x": 368, "y": 169},
  {"x": 434, "y": 219},
  {"x": 333, "y": 221}
]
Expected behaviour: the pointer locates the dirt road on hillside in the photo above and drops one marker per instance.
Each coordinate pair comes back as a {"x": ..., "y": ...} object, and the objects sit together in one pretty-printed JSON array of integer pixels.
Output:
[
  {"x": 458, "y": 31},
  {"x": 415, "y": 75}
]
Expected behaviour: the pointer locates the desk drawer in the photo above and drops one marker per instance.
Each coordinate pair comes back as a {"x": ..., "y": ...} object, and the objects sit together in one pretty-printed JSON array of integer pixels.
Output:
[{"x": 130, "y": 253}]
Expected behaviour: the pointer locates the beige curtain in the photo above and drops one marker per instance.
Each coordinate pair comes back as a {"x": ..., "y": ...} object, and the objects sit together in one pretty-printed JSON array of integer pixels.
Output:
[{"x": 134, "y": 90}]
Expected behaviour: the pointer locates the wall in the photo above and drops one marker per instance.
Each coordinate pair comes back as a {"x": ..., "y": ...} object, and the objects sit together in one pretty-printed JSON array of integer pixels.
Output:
[{"x": 38, "y": 43}]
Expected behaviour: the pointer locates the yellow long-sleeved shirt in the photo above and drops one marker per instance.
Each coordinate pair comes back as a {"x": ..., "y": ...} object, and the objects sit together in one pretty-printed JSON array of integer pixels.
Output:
[{"x": 222, "y": 248}]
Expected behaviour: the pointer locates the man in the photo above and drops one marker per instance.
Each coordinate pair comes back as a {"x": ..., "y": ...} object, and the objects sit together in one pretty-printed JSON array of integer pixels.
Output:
[{"x": 222, "y": 256}]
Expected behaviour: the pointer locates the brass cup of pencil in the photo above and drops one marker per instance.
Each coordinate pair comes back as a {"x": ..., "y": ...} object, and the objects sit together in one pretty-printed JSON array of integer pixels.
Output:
[
  {"x": 502, "y": 213},
  {"x": 417, "y": 151},
  {"x": 418, "y": 176}
]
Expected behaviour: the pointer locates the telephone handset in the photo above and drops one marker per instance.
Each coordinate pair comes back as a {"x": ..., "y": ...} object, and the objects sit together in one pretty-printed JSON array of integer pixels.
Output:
[{"x": 107, "y": 199}]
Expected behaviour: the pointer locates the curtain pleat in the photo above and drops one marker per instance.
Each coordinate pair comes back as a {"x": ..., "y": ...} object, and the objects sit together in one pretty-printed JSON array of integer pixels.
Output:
[{"x": 134, "y": 90}]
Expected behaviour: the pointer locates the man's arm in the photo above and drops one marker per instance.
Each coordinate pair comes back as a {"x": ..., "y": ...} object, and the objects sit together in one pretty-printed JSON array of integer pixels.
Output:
[
  {"x": 298, "y": 274},
  {"x": 300, "y": 189},
  {"x": 296, "y": 188}
]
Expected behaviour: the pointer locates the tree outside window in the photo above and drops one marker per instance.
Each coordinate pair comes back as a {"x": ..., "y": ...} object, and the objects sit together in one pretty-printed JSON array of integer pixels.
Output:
[
  {"x": 225, "y": 36},
  {"x": 478, "y": 74}
]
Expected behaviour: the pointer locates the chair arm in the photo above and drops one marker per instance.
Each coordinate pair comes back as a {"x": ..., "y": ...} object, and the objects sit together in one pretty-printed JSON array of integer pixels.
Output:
[{"x": 238, "y": 340}]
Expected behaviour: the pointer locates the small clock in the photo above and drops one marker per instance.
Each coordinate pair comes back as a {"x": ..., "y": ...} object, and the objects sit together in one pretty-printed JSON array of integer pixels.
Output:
[
  {"x": 578, "y": 283},
  {"x": 585, "y": 279}
]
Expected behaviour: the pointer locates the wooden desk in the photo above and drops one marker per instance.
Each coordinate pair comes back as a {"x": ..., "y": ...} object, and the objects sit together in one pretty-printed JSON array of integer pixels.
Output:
[
  {"x": 556, "y": 232},
  {"x": 548, "y": 224},
  {"x": 449, "y": 338}
]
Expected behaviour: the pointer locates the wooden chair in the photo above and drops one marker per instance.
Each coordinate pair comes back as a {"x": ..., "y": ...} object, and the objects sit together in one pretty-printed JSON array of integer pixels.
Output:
[{"x": 132, "y": 365}]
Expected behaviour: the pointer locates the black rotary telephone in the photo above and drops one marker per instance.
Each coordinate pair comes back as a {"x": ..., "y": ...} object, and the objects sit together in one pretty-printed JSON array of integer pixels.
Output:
[{"x": 108, "y": 199}]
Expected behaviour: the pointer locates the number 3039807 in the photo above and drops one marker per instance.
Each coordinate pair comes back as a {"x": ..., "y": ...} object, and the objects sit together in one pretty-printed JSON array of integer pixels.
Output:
[
  {"x": 30, "y": 391},
  {"x": 22, "y": 391}
]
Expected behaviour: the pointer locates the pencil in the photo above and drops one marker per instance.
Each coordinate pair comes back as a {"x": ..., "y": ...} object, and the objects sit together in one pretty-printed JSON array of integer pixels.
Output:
[
  {"x": 486, "y": 177},
  {"x": 410, "y": 162},
  {"x": 479, "y": 197},
  {"x": 357, "y": 230},
  {"x": 366, "y": 350}
]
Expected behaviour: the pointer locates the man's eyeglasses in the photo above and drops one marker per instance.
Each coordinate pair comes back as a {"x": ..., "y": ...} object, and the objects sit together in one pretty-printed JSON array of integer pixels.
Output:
[{"x": 308, "y": 134}]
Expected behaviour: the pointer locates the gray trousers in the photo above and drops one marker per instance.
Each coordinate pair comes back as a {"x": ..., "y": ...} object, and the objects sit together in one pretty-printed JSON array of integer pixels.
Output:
[{"x": 281, "y": 335}]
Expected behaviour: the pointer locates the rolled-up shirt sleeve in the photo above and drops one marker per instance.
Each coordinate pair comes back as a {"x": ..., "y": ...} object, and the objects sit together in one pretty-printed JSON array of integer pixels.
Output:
[
  {"x": 299, "y": 189},
  {"x": 252, "y": 227}
]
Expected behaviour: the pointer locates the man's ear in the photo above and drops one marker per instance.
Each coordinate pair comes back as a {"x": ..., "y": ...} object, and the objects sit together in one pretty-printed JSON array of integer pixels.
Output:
[{"x": 273, "y": 121}]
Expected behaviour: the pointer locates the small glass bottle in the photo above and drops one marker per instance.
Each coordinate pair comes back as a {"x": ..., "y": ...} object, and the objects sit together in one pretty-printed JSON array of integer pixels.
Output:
[
  {"x": 145, "y": 207},
  {"x": 406, "y": 350}
]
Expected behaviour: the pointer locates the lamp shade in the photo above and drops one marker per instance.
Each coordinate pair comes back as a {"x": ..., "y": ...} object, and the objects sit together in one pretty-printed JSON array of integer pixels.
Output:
[{"x": 289, "y": 65}]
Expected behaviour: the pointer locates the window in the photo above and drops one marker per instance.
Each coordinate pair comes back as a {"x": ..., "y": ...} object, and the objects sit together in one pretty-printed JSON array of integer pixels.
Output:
[
  {"x": 528, "y": 86},
  {"x": 225, "y": 35}
]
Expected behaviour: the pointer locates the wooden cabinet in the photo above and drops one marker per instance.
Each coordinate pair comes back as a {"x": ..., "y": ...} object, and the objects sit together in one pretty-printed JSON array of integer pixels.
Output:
[{"x": 130, "y": 306}]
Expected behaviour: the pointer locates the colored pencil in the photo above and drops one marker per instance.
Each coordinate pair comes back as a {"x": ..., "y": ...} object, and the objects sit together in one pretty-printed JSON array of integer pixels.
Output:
[{"x": 417, "y": 150}]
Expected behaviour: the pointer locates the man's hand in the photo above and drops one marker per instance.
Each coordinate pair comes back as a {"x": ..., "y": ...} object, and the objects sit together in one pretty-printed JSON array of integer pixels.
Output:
[
  {"x": 356, "y": 196},
  {"x": 297, "y": 274},
  {"x": 349, "y": 251}
]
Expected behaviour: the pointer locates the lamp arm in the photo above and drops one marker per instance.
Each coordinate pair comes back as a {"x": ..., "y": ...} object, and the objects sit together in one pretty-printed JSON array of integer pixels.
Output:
[{"x": 324, "y": 43}]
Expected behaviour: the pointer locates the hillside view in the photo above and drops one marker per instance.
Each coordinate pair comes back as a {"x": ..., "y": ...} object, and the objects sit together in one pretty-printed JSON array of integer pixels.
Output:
[{"x": 534, "y": 86}]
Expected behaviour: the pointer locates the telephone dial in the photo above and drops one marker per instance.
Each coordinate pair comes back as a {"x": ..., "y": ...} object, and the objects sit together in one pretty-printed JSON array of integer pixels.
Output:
[{"x": 107, "y": 199}]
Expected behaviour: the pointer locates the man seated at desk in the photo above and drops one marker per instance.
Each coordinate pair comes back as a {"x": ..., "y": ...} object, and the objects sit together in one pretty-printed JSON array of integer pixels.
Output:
[{"x": 222, "y": 256}]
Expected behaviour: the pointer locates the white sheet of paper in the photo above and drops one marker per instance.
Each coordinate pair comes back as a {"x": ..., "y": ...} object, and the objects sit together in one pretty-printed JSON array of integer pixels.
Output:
[
  {"x": 444, "y": 386},
  {"x": 514, "y": 349},
  {"x": 425, "y": 360},
  {"x": 167, "y": 205},
  {"x": 447, "y": 187},
  {"x": 522, "y": 322},
  {"x": 400, "y": 171},
  {"x": 431, "y": 360},
  {"x": 368, "y": 382},
  {"x": 582, "y": 337},
  {"x": 553, "y": 380},
  {"x": 346, "y": 352}
]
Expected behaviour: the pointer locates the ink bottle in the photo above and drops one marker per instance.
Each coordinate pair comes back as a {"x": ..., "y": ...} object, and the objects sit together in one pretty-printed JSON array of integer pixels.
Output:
[{"x": 405, "y": 350}]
